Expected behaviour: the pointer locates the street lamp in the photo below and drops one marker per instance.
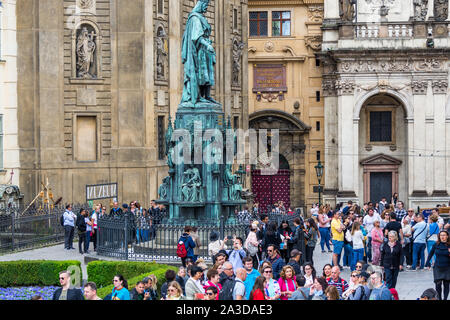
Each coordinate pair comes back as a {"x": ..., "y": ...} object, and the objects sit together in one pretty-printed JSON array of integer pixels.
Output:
[{"x": 319, "y": 174}]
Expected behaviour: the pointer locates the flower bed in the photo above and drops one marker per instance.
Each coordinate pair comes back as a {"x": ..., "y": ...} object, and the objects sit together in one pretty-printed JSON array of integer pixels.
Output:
[{"x": 26, "y": 293}]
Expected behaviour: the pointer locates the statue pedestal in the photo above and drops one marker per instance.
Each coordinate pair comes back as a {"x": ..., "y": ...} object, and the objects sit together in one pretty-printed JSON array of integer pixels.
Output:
[{"x": 215, "y": 196}]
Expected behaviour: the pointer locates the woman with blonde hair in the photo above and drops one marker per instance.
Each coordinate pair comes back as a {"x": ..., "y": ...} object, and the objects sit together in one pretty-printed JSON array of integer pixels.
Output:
[
  {"x": 357, "y": 244},
  {"x": 174, "y": 292},
  {"x": 287, "y": 282}
]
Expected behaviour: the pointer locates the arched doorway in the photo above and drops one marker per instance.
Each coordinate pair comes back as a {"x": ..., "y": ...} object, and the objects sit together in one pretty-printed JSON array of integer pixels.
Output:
[
  {"x": 269, "y": 189},
  {"x": 287, "y": 182}
]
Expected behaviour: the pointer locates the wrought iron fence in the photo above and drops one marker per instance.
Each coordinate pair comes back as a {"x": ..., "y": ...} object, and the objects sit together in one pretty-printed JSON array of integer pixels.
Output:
[
  {"x": 32, "y": 228},
  {"x": 137, "y": 237}
]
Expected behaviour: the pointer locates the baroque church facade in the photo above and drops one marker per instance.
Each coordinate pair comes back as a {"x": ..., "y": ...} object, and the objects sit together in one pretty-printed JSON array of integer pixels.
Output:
[
  {"x": 97, "y": 81},
  {"x": 387, "y": 107}
]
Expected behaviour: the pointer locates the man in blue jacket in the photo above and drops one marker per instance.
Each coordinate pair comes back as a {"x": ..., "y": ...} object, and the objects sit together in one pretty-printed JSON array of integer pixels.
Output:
[
  {"x": 252, "y": 274},
  {"x": 275, "y": 259},
  {"x": 189, "y": 244},
  {"x": 379, "y": 291}
]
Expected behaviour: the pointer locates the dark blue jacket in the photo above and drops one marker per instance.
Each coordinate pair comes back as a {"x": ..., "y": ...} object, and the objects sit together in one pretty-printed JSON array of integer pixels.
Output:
[
  {"x": 442, "y": 255},
  {"x": 277, "y": 265},
  {"x": 188, "y": 243}
]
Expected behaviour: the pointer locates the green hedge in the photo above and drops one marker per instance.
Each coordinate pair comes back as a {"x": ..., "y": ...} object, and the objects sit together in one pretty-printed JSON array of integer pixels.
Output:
[
  {"x": 33, "y": 272},
  {"x": 103, "y": 272},
  {"x": 159, "y": 273}
]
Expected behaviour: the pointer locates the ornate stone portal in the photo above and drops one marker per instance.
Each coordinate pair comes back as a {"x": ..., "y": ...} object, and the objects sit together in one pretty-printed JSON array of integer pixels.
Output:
[{"x": 206, "y": 190}]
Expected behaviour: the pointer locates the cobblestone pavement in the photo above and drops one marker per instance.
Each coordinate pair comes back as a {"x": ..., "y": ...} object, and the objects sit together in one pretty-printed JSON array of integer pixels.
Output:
[{"x": 410, "y": 284}]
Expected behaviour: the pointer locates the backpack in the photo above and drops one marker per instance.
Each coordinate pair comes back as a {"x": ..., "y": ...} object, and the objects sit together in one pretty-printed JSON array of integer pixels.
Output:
[
  {"x": 61, "y": 220},
  {"x": 227, "y": 291},
  {"x": 181, "y": 249}
]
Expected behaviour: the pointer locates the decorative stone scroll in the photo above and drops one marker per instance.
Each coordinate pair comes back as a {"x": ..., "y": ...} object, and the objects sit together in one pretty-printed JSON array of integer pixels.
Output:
[
  {"x": 439, "y": 86},
  {"x": 419, "y": 86},
  {"x": 314, "y": 42},
  {"x": 345, "y": 87}
]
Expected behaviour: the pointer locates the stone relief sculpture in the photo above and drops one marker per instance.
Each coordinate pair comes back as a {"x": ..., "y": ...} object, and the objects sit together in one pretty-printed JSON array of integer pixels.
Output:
[
  {"x": 163, "y": 190},
  {"x": 347, "y": 10},
  {"x": 232, "y": 182},
  {"x": 86, "y": 4},
  {"x": 198, "y": 57},
  {"x": 161, "y": 53},
  {"x": 191, "y": 189},
  {"x": 440, "y": 10},
  {"x": 170, "y": 145},
  {"x": 85, "y": 51},
  {"x": 237, "y": 54},
  {"x": 420, "y": 9}
]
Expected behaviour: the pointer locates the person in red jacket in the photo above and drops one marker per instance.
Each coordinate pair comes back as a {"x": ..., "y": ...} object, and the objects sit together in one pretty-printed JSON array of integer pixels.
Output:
[{"x": 258, "y": 289}]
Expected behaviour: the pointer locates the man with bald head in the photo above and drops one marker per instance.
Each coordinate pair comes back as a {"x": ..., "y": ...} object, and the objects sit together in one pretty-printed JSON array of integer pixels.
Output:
[
  {"x": 239, "y": 287},
  {"x": 115, "y": 210},
  {"x": 336, "y": 281}
]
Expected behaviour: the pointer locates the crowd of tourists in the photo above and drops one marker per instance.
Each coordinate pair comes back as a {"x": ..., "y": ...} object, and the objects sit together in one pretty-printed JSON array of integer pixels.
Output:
[{"x": 275, "y": 262}]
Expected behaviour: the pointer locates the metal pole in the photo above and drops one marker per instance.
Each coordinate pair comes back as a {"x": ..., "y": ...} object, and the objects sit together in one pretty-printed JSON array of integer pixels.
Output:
[
  {"x": 13, "y": 227},
  {"x": 319, "y": 193},
  {"x": 126, "y": 236}
]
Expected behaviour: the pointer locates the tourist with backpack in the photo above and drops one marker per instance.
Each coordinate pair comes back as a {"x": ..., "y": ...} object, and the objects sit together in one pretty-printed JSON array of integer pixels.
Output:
[
  {"x": 379, "y": 291},
  {"x": 185, "y": 246},
  {"x": 274, "y": 257},
  {"x": 68, "y": 222},
  {"x": 361, "y": 290}
]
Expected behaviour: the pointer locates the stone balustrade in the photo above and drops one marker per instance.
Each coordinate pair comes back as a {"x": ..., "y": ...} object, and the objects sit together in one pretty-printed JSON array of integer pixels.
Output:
[{"x": 390, "y": 31}]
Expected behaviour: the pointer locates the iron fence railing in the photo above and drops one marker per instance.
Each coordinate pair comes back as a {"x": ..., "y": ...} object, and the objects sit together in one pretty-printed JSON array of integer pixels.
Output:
[
  {"x": 34, "y": 227},
  {"x": 137, "y": 237}
]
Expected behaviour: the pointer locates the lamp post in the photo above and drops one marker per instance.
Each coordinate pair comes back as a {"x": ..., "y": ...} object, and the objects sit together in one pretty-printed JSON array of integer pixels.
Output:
[{"x": 319, "y": 174}]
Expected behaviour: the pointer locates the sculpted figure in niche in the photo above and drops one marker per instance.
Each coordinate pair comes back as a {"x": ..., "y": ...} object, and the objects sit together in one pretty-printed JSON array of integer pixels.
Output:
[
  {"x": 85, "y": 54},
  {"x": 440, "y": 10},
  {"x": 420, "y": 9},
  {"x": 198, "y": 57},
  {"x": 347, "y": 10},
  {"x": 161, "y": 53},
  {"x": 237, "y": 54}
]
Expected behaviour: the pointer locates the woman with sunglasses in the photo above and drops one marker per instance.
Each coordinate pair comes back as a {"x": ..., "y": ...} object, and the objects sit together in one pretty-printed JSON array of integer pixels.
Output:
[
  {"x": 352, "y": 285},
  {"x": 272, "y": 289},
  {"x": 120, "y": 290},
  {"x": 361, "y": 290},
  {"x": 441, "y": 270},
  {"x": 174, "y": 292}
]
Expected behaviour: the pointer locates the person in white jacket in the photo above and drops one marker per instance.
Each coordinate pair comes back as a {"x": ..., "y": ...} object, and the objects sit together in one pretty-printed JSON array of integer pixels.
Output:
[{"x": 357, "y": 244}]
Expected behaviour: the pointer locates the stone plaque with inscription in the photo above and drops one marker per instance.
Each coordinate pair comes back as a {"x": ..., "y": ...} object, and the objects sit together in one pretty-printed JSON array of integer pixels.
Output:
[{"x": 269, "y": 78}]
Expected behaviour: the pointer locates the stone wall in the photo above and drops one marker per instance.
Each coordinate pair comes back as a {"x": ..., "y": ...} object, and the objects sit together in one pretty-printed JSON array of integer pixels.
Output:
[{"x": 124, "y": 98}]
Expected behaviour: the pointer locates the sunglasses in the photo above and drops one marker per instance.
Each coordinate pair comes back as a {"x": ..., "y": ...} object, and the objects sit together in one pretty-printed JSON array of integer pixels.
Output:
[
  {"x": 172, "y": 290},
  {"x": 267, "y": 271},
  {"x": 210, "y": 293},
  {"x": 358, "y": 267},
  {"x": 61, "y": 278},
  {"x": 354, "y": 275}
]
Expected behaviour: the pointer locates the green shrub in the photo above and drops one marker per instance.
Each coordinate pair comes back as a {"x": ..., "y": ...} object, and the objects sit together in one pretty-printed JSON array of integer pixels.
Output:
[
  {"x": 33, "y": 272},
  {"x": 159, "y": 273},
  {"x": 102, "y": 272}
]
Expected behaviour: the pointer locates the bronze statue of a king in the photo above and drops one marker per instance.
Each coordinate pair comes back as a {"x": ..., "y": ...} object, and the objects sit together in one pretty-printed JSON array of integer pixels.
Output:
[{"x": 198, "y": 57}]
